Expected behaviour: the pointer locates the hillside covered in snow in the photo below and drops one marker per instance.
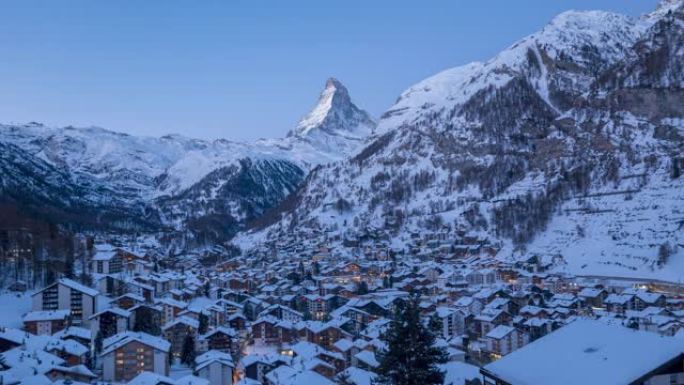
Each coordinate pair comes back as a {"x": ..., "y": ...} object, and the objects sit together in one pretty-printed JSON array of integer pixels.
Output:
[
  {"x": 92, "y": 178},
  {"x": 566, "y": 146}
]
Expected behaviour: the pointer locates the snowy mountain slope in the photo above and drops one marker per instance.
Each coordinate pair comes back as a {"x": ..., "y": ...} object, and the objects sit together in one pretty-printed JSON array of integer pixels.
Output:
[
  {"x": 177, "y": 179},
  {"x": 333, "y": 130},
  {"x": 521, "y": 148},
  {"x": 559, "y": 62},
  {"x": 50, "y": 193},
  {"x": 336, "y": 115}
]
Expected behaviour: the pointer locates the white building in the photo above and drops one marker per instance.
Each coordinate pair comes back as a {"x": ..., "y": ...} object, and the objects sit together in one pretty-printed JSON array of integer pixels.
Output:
[
  {"x": 67, "y": 294},
  {"x": 215, "y": 366},
  {"x": 503, "y": 340},
  {"x": 126, "y": 355}
]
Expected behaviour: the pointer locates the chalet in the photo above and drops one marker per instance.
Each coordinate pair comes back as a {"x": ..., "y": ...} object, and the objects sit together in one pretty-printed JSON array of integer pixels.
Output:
[
  {"x": 221, "y": 339},
  {"x": 151, "y": 314},
  {"x": 490, "y": 318},
  {"x": 322, "y": 334},
  {"x": 237, "y": 321},
  {"x": 451, "y": 321},
  {"x": 107, "y": 262},
  {"x": 503, "y": 340},
  {"x": 78, "y": 374},
  {"x": 618, "y": 303},
  {"x": 176, "y": 331},
  {"x": 481, "y": 277},
  {"x": 256, "y": 366},
  {"x": 366, "y": 360},
  {"x": 11, "y": 338},
  {"x": 66, "y": 294},
  {"x": 346, "y": 348},
  {"x": 127, "y": 301},
  {"x": 171, "y": 308},
  {"x": 216, "y": 367},
  {"x": 643, "y": 299},
  {"x": 593, "y": 297},
  {"x": 126, "y": 355},
  {"x": 269, "y": 330},
  {"x": 230, "y": 307},
  {"x": 72, "y": 352},
  {"x": 329, "y": 362},
  {"x": 536, "y": 327},
  {"x": 110, "y": 321},
  {"x": 46, "y": 322},
  {"x": 283, "y": 313},
  {"x": 252, "y": 307},
  {"x": 73, "y": 333},
  {"x": 141, "y": 289}
]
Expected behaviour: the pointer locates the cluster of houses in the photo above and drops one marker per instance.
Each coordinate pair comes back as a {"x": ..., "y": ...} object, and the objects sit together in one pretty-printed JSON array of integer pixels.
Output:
[{"x": 309, "y": 320}]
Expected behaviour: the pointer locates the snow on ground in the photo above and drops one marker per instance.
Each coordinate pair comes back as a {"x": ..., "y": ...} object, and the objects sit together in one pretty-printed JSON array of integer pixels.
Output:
[
  {"x": 636, "y": 224},
  {"x": 179, "y": 371},
  {"x": 457, "y": 372},
  {"x": 12, "y": 307}
]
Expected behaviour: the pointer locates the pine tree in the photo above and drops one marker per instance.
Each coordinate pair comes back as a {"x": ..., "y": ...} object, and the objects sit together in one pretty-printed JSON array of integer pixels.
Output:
[
  {"x": 411, "y": 357},
  {"x": 362, "y": 288},
  {"x": 203, "y": 323},
  {"x": 188, "y": 351},
  {"x": 145, "y": 321},
  {"x": 98, "y": 342},
  {"x": 207, "y": 289},
  {"x": 435, "y": 325}
]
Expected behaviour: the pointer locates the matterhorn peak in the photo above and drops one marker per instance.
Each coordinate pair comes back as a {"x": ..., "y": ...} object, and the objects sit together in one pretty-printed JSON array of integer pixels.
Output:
[{"x": 335, "y": 115}]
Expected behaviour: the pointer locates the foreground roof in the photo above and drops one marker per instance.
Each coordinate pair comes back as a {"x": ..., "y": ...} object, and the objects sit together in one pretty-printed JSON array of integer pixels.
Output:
[{"x": 587, "y": 352}]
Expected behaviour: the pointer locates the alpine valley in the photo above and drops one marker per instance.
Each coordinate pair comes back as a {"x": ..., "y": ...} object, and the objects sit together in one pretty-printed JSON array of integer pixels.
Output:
[{"x": 567, "y": 147}]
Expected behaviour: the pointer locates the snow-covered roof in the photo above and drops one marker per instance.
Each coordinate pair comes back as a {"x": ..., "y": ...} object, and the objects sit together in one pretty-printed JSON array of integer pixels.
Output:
[
  {"x": 587, "y": 352},
  {"x": 115, "y": 310},
  {"x": 80, "y": 370},
  {"x": 456, "y": 372},
  {"x": 150, "y": 378},
  {"x": 68, "y": 346},
  {"x": 213, "y": 356},
  {"x": 104, "y": 255},
  {"x": 368, "y": 358},
  {"x": 72, "y": 285},
  {"x": 500, "y": 332},
  {"x": 46, "y": 315},
  {"x": 358, "y": 376},
  {"x": 185, "y": 320},
  {"x": 114, "y": 342},
  {"x": 192, "y": 380}
]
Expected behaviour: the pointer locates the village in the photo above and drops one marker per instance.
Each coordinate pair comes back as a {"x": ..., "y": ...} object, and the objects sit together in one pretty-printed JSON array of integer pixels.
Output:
[{"x": 295, "y": 317}]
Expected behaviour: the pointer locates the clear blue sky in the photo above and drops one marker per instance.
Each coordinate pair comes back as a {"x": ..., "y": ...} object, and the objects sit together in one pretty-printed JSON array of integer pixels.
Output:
[{"x": 240, "y": 69}]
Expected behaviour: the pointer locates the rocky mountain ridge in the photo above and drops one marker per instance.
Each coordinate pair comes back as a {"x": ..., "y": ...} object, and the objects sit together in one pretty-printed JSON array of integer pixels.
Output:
[
  {"x": 567, "y": 146},
  {"x": 172, "y": 182}
]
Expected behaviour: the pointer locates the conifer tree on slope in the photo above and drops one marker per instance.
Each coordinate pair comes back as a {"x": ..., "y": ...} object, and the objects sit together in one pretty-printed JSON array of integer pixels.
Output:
[
  {"x": 188, "y": 350},
  {"x": 411, "y": 357}
]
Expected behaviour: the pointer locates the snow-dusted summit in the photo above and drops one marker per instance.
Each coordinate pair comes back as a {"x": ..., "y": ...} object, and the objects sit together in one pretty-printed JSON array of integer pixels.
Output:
[
  {"x": 173, "y": 180},
  {"x": 335, "y": 124},
  {"x": 566, "y": 146}
]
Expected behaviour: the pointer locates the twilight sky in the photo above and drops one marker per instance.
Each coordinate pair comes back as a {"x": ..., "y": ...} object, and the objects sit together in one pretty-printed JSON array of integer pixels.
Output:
[{"x": 240, "y": 69}]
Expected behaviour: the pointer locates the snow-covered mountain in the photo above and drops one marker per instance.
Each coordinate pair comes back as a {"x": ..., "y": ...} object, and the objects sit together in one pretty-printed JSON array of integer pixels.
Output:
[
  {"x": 567, "y": 145},
  {"x": 173, "y": 180},
  {"x": 335, "y": 123},
  {"x": 333, "y": 130}
]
